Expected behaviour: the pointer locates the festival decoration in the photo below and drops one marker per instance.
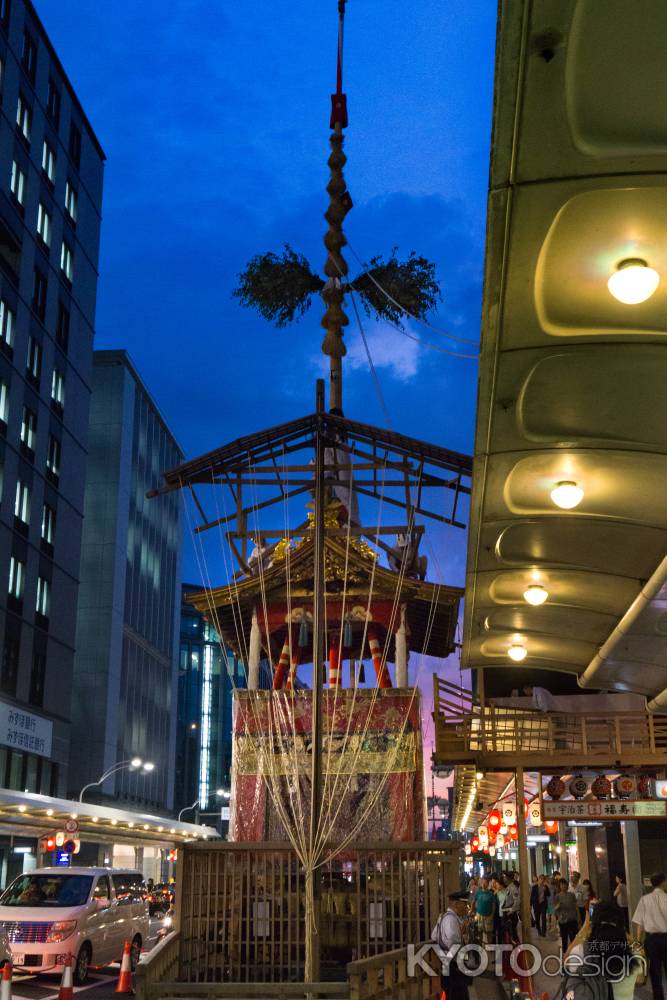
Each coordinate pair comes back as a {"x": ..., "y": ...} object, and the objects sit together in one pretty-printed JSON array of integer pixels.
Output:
[
  {"x": 578, "y": 786},
  {"x": 555, "y": 787},
  {"x": 509, "y": 813},
  {"x": 535, "y": 813},
  {"x": 474, "y": 843},
  {"x": 551, "y": 825},
  {"x": 601, "y": 787},
  {"x": 503, "y": 828},
  {"x": 645, "y": 786},
  {"x": 492, "y": 851},
  {"x": 468, "y": 849},
  {"x": 500, "y": 840},
  {"x": 494, "y": 820},
  {"x": 625, "y": 786},
  {"x": 513, "y": 832}
]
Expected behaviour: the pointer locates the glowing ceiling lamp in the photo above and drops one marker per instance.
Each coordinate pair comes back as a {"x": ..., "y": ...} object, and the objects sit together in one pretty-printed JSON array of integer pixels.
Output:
[
  {"x": 517, "y": 652},
  {"x": 633, "y": 281},
  {"x": 567, "y": 494},
  {"x": 535, "y": 594}
]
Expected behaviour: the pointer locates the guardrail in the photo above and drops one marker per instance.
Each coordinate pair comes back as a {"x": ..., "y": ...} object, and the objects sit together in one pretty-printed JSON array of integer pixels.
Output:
[
  {"x": 247, "y": 991},
  {"x": 387, "y": 975},
  {"x": 158, "y": 964},
  {"x": 467, "y": 729}
]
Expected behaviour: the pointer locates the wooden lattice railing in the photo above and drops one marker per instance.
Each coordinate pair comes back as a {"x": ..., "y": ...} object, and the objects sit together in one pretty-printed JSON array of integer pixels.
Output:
[{"x": 464, "y": 730}]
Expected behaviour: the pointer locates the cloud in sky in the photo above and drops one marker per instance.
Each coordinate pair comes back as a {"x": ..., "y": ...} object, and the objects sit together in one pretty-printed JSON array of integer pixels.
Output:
[{"x": 389, "y": 349}]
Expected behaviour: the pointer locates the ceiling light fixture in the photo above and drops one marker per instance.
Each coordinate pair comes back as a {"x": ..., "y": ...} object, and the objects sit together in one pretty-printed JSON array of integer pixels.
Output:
[
  {"x": 567, "y": 494},
  {"x": 633, "y": 281},
  {"x": 517, "y": 652},
  {"x": 535, "y": 594},
  {"x": 49, "y": 812}
]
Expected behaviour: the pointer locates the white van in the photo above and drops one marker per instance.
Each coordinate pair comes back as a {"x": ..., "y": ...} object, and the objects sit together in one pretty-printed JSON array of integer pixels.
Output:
[{"x": 88, "y": 913}]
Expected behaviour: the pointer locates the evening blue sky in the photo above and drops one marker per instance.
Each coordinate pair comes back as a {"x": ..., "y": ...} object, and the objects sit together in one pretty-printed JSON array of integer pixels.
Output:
[{"x": 214, "y": 119}]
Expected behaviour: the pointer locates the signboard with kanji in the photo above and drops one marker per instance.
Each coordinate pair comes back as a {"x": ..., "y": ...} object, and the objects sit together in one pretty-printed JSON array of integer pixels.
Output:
[
  {"x": 25, "y": 731},
  {"x": 603, "y": 810}
]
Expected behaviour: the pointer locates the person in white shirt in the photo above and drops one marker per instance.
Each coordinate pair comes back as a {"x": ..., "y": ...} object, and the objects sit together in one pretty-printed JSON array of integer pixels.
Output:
[
  {"x": 650, "y": 924},
  {"x": 448, "y": 933}
]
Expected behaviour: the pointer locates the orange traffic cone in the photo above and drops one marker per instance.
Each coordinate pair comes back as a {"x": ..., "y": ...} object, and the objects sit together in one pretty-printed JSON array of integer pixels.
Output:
[
  {"x": 124, "y": 984},
  {"x": 66, "y": 991},
  {"x": 6, "y": 984},
  {"x": 443, "y": 995}
]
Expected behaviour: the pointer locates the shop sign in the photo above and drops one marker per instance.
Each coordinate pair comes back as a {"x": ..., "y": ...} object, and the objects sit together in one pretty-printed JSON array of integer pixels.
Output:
[
  {"x": 25, "y": 731},
  {"x": 604, "y": 810},
  {"x": 661, "y": 789}
]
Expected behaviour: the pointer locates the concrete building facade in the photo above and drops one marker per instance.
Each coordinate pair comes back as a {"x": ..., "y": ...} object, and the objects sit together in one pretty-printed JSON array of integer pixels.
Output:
[
  {"x": 125, "y": 674},
  {"x": 51, "y": 173}
]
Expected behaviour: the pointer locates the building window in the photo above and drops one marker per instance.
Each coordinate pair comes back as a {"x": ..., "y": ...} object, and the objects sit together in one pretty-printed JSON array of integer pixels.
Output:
[
  {"x": 16, "y": 578},
  {"x": 70, "y": 200},
  {"x": 4, "y": 12},
  {"x": 53, "y": 102},
  {"x": 33, "y": 363},
  {"x": 58, "y": 388},
  {"x": 18, "y": 184},
  {"x": 53, "y": 458},
  {"x": 4, "y": 401},
  {"x": 23, "y": 117},
  {"x": 43, "y": 597},
  {"x": 29, "y": 428},
  {"x": 6, "y": 323},
  {"x": 22, "y": 505},
  {"x": 75, "y": 145},
  {"x": 10, "y": 665},
  {"x": 48, "y": 524},
  {"x": 39, "y": 294},
  {"x": 37, "y": 675},
  {"x": 62, "y": 327},
  {"x": 29, "y": 56},
  {"x": 44, "y": 225},
  {"x": 67, "y": 262},
  {"x": 48, "y": 162}
]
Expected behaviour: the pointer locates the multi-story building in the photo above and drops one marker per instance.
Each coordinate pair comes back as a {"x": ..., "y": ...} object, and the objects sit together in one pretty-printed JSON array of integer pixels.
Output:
[
  {"x": 51, "y": 171},
  {"x": 125, "y": 673},
  {"x": 206, "y": 678}
]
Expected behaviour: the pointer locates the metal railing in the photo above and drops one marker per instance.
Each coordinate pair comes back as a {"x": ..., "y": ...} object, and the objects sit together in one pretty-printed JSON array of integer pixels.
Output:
[
  {"x": 241, "y": 908},
  {"x": 463, "y": 727}
]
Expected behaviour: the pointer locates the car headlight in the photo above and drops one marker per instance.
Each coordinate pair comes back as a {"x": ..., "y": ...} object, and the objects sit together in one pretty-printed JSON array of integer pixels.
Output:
[{"x": 60, "y": 930}]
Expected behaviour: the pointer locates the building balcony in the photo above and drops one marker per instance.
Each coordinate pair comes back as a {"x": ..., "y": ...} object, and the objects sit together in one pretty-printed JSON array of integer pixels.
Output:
[{"x": 496, "y": 737}]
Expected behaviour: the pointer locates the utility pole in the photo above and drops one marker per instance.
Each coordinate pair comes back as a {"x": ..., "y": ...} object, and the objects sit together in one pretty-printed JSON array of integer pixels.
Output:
[{"x": 312, "y": 957}]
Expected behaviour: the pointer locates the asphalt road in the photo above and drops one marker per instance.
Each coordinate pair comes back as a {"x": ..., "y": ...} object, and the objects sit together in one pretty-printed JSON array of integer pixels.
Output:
[{"x": 101, "y": 983}]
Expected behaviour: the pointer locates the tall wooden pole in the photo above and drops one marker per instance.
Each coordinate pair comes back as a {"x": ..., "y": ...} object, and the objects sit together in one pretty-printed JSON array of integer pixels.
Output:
[
  {"x": 312, "y": 957},
  {"x": 524, "y": 861},
  {"x": 335, "y": 268}
]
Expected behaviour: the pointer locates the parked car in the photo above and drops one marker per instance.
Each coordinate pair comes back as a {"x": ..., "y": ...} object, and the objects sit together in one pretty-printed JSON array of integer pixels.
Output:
[
  {"x": 160, "y": 898},
  {"x": 88, "y": 913}
]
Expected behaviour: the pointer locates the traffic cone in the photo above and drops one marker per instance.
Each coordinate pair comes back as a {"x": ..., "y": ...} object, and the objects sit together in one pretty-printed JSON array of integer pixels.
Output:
[
  {"x": 124, "y": 984},
  {"x": 66, "y": 991},
  {"x": 443, "y": 995},
  {"x": 6, "y": 985}
]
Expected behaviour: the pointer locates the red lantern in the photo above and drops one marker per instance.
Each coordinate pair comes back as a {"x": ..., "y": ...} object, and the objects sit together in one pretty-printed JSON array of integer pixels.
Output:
[
  {"x": 494, "y": 821},
  {"x": 513, "y": 832},
  {"x": 555, "y": 787},
  {"x": 551, "y": 825},
  {"x": 492, "y": 836},
  {"x": 474, "y": 843}
]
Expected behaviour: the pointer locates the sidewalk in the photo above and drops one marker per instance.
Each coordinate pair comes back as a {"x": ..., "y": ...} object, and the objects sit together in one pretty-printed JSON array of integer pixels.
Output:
[{"x": 543, "y": 983}]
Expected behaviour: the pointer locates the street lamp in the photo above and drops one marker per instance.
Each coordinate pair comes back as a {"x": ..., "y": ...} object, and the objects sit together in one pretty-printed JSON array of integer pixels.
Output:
[
  {"x": 186, "y": 808},
  {"x": 134, "y": 764},
  {"x": 224, "y": 793}
]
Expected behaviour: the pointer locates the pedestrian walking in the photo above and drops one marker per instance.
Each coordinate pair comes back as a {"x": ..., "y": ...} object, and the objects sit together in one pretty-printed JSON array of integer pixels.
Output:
[
  {"x": 579, "y": 889},
  {"x": 602, "y": 946},
  {"x": 567, "y": 915},
  {"x": 485, "y": 908},
  {"x": 650, "y": 921},
  {"x": 539, "y": 898},
  {"x": 509, "y": 911},
  {"x": 448, "y": 933},
  {"x": 621, "y": 898}
]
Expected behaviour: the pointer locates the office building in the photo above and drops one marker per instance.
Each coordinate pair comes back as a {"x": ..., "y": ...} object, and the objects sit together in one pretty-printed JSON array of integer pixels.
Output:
[
  {"x": 51, "y": 172},
  {"x": 126, "y": 662},
  {"x": 206, "y": 678}
]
